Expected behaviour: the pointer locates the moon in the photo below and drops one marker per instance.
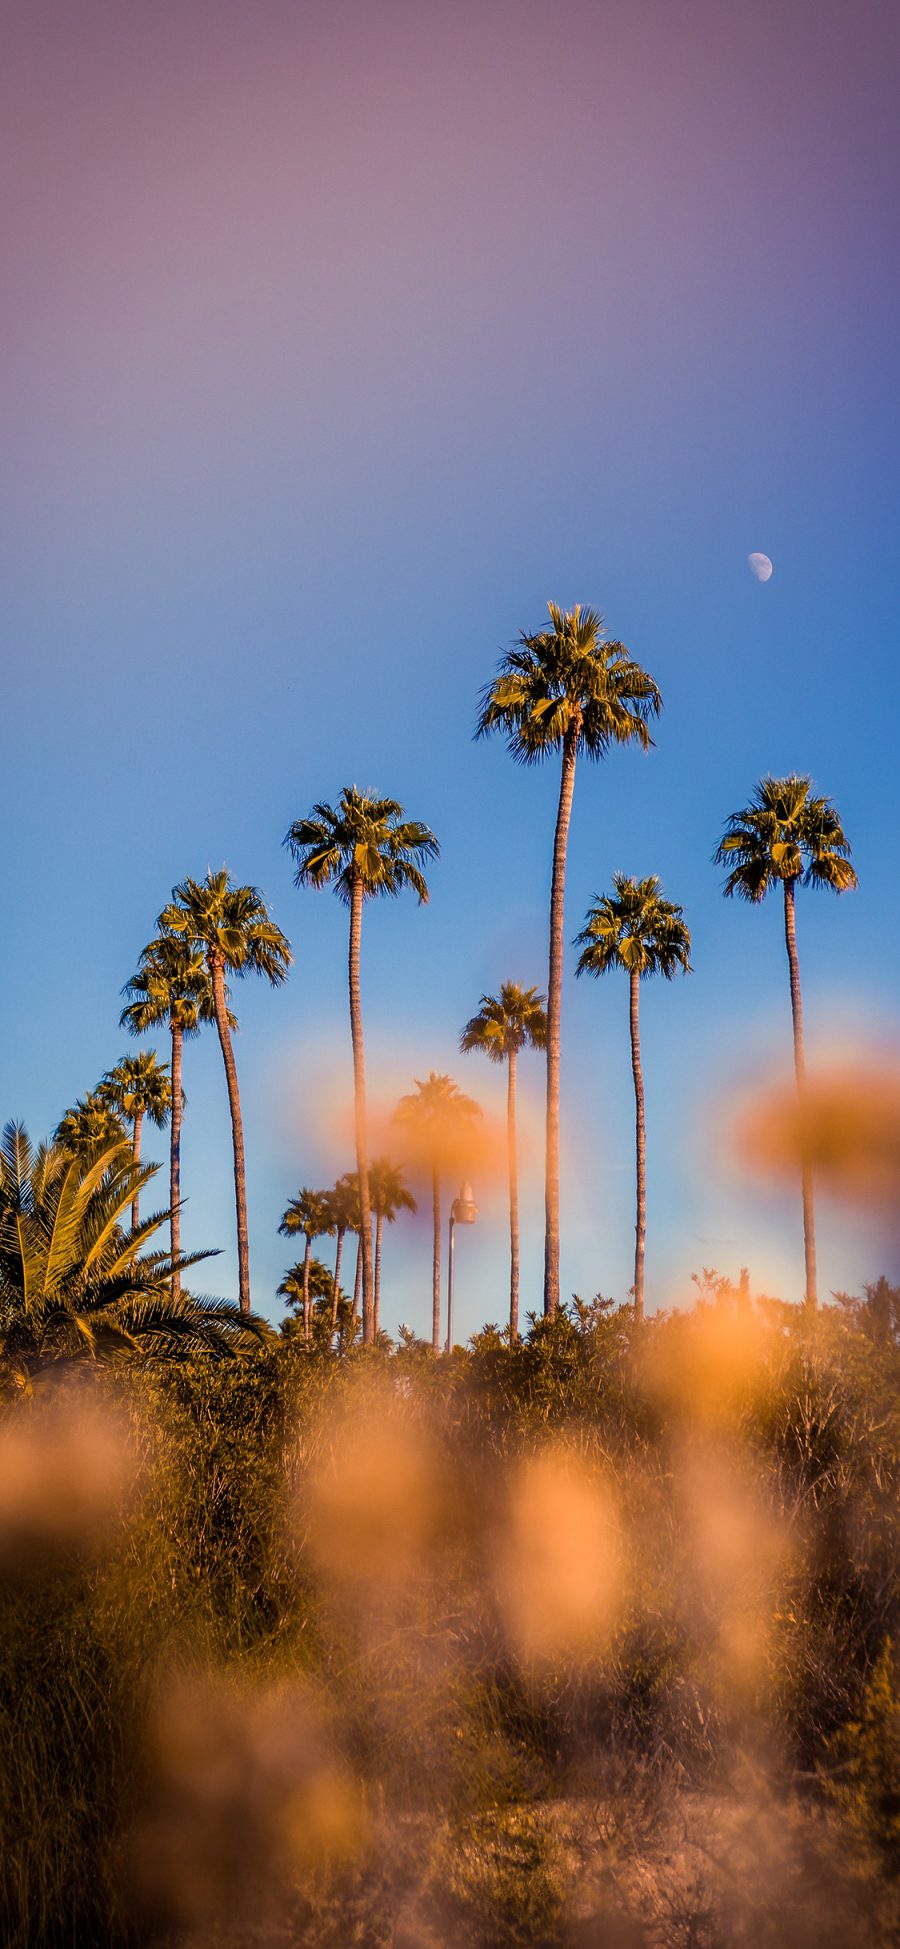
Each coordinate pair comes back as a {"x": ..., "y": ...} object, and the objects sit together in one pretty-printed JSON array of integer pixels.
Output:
[{"x": 760, "y": 566}]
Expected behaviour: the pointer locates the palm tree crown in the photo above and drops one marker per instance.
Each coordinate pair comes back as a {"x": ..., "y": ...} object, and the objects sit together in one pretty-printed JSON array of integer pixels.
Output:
[
  {"x": 505, "y": 1023},
  {"x": 634, "y": 928},
  {"x": 138, "y": 1086},
  {"x": 230, "y": 925},
  {"x": 390, "y": 1194},
  {"x": 364, "y": 842},
  {"x": 568, "y": 679},
  {"x": 310, "y": 1213},
  {"x": 91, "y": 1122},
  {"x": 171, "y": 986},
  {"x": 785, "y": 834},
  {"x": 74, "y": 1281}
]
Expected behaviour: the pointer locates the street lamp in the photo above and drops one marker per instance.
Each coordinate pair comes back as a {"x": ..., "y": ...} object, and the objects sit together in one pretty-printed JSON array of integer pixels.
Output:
[{"x": 463, "y": 1211}]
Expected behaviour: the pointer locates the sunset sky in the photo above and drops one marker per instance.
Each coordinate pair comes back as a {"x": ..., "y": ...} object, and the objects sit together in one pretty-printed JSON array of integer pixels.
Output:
[{"x": 336, "y": 340}]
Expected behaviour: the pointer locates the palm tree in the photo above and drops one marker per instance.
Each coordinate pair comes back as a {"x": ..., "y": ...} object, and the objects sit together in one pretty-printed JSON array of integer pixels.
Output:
[
  {"x": 90, "y": 1122},
  {"x": 505, "y": 1023},
  {"x": 342, "y": 1204},
  {"x": 364, "y": 847},
  {"x": 436, "y": 1118},
  {"x": 171, "y": 986},
  {"x": 637, "y": 929},
  {"x": 138, "y": 1087},
  {"x": 786, "y": 835},
  {"x": 389, "y": 1196},
  {"x": 232, "y": 928},
  {"x": 74, "y": 1282},
  {"x": 310, "y": 1213},
  {"x": 565, "y": 689}
]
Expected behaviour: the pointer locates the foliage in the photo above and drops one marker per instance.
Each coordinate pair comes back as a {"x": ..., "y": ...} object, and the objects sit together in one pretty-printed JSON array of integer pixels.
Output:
[
  {"x": 785, "y": 834},
  {"x": 74, "y": 1281},
  {"x": 513, "y": 1020},
  {"x": 634, "y": 928},
  {"x": 568, "y": 679},
  {"x": 362, "y": 841}
]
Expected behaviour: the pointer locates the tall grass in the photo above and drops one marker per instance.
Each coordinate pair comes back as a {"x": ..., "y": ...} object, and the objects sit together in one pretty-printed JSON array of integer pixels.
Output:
[{"x": 582, "y": 1640}]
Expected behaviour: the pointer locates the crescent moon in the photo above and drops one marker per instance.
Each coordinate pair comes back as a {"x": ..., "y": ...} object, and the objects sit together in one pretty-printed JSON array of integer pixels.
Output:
[{"x": 760, "y": 566}]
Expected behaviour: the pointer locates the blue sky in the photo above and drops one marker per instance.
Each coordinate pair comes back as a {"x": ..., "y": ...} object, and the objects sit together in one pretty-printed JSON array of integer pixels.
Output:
[{"x": 333, "y": 353}]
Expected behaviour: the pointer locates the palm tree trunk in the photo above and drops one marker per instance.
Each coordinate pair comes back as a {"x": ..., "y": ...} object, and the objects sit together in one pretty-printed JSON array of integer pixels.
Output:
[
  {"x": 436, "y": 1261},
  {"x": 379, "y": 1226},
  {"x": 136, "y": 1155},
  {"x": 337, "y": 1277},
  {"x": 306, "y": 1287},
  {"x": 359, "y": 1095},
  {"x": 640, "y": 1227},
  {"x": 357, "y": 1281},
  {"x": 175, "y": 1159},
  {"x": 217, "y": 975},
  {"x": 513, "y": 1196},
  {"x": 809, "y": 1220},
  {"x": 554, "y": 1001}
]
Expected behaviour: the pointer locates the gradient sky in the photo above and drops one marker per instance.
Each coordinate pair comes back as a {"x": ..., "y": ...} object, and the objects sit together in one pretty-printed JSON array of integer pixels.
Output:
[{"x": 336, "y": 339}]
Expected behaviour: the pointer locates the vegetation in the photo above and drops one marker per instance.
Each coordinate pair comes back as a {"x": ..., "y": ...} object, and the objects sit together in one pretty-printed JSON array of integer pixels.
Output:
[
  {"x": 231, "y": 927},
  {"x": 365, "y": 848},
  {"x": 74, "y": 1282},
  {"x": 434, "y": 1119},
  {"x": 787, "y": 836},
  {"x": 584, "y": 1633},
  {"x": 138, "y": 1088},
  {"x": 585, "y": 1637},
  {"x": 172, "y": 986},
  {"x": 637, "y": 929},
  {"x": 513, "y": 1020},
  {"x": 565, "y": 689}
]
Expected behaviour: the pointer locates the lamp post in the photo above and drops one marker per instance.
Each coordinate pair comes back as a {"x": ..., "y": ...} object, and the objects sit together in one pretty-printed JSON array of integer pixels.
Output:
[{"x": 463, "y": 1211}]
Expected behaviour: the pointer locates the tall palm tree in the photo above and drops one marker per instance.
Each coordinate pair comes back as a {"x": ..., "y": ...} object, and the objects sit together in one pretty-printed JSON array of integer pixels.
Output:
[
  {"x": 435, "y": 1118},
  {"x": 505, "y": 1023},
  {"x": 92, "y": 1121},
  {"x": 310, "y": 1213},
  {"x": 637, "y": 929},
  {"x": 342, "y": 1204},
  {"x": 786, "y": 835},
  {"x": 232, "y": 928},
  {"x": 389, "y": 1196},
  {"x": 171, "y": 987},
  {"x": 138, "y": 1087},
  {"x": 75, "y": 1282},
  {"x": 565, "y": 689},
  {"x": 365, "y": 847}
]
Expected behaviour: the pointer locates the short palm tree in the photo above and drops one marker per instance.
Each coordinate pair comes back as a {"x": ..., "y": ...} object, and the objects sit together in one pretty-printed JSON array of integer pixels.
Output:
[
  {"x": 310, "y": 1214},
  {"x": 565, "y": 689},
  {"x": 637, "y": 929},
  {"x": 513, "y": 1020},
  {"x": 138, "y": 1088},
  {"x": 171, "y": 987},
  {"x": 364, "y": 847},
  {"x": 786, "y": 836},
  {"x": 90, "y": 1122},
  {"x": 389, "y": 1196},
  {"x": 232, "y": 928},
  {"x": 342, "y": 1205},
  {"x": 76, "y": 1281},
  {"x": 435, "y": 1118}
]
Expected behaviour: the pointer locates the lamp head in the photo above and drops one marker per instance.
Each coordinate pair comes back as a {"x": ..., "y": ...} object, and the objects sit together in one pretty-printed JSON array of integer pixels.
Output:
[{"x": 465, "y": 1210}]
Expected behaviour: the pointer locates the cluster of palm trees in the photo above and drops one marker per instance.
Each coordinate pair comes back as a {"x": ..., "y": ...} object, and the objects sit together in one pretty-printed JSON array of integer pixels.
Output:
[{"x": 565, "y": 691}]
